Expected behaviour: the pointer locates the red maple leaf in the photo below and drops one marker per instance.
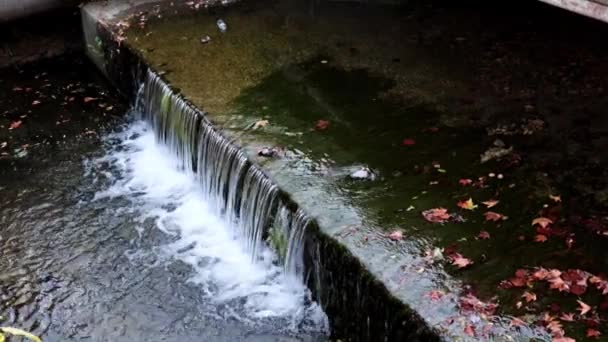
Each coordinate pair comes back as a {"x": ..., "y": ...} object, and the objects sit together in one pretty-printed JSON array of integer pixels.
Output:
[
  {"x": 593, "y": 333},
  {"x": 529, "y": 296},
  {"x": 397, "y": 235},
  {"x": 460, "y": 261},
  {"x": 436, "y": 215},
  {"x": 408, "y": 142},
  {"x": 583, "y": 307},
  {"x": 492, "y": 216},
  {"x": 465, "y": 182},
  {"x": 483, "y": 235},
  {"x": 321, "y": 125},
  {"x": 15, "y": 124}
]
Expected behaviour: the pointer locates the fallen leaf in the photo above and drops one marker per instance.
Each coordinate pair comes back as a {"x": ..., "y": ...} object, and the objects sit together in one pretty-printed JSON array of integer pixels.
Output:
[
  {"x": 89, "y": 99},
  {"x": 15, "y": 125},
  {"x": 260, "y": 124},
  {"x": 492, "y": 216},
  {"x": 483, "y": 235},
  {"x": 468, "y": 204},
  {"x": 435, "y": 294},
  {"x": 469, "y": 330},
  {"x": 321, "y": 125},
  {"x": 436, "y": 215},
  {"x": 567, "y": 317},
  {"x": 593, "y": 333},
  {"x": 465, "y": 182},
  {"x": 583, "y": 307},
  {"x": 563, "y": 339},
  {"x": 556, "y": 199},
  {"x": 408, "y": 142},
  {"x": 540, "y": 238},
  {"x": 460, "y": 261},
  {"x": 490, "y": 203},
  {"x": 397, "y": 235},
  {"x": 542, "y": 221},
  {"x": 529, "y": 296},
  {"x": 559, "y": 284},
  {"x": 36, "y": 102}
]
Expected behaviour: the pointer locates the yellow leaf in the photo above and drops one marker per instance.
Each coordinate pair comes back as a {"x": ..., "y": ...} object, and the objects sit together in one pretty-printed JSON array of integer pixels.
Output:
[
  {"x": 468, "y": 204},
  {"x": 19, "y": 332}
]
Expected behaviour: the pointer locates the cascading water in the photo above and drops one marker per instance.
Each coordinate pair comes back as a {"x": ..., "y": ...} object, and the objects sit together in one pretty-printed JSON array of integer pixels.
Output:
[
  {"x": 203, "y": 190},
  {"x": 242, "y": 194}
]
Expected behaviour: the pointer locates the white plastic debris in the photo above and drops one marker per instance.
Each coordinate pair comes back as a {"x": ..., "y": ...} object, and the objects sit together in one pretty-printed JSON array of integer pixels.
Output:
[{"x": 221, "y": 25}]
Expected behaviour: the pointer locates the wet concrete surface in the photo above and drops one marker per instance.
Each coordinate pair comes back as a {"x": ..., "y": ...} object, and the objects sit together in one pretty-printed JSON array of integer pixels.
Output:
[{"x": 421, "y": 95}]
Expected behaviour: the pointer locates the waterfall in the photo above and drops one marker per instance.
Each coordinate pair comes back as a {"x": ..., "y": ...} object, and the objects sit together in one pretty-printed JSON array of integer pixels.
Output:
[{"x": 239, "y": 191}]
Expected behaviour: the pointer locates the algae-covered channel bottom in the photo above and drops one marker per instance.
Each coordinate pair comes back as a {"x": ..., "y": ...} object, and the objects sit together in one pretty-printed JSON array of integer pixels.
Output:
[{"x": 103, "y": 238}]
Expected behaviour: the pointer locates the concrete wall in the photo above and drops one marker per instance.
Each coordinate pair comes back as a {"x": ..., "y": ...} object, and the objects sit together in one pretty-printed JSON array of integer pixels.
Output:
[
  {"x": 15, "y": 9},
  {"x": 597, "y": 9}
]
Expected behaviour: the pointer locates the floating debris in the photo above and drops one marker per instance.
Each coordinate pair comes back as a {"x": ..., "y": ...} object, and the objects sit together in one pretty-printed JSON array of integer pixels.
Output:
[
  {"x": 269, "y": 152},
  {"x": 495, "y": 153},
  {"x": 363, "y": 173},
  {"x": 222, "y": 26}
]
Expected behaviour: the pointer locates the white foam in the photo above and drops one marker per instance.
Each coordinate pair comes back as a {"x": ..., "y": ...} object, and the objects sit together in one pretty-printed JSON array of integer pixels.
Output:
[{"x": 148, "y": 175}]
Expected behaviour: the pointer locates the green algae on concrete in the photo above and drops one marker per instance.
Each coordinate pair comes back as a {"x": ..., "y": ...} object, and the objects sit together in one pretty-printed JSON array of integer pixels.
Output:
[{"x": 376, "y": 85}]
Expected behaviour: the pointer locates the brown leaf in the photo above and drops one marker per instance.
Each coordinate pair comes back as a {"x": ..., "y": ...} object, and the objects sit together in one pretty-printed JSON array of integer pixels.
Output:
[{"x": 89, "y": 99}]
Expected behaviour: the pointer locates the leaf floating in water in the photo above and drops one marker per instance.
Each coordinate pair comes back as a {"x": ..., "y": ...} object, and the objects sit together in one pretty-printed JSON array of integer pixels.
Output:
[
  {"x": 408, "y": 142},
  {"x": 493, "y": 216},
  {"x": 89, "y": 99},
  {"x": 465, "y": 181},
  {"x": 542, "y": 221},
  {"x": 460, "y": 261},
  {"x": 540, "y": 238},
  {"x": 322, "y": 125},
  {"x": 397, "y": 235},
  {"x": 483, "y": 235},
  {"x": 583, "y": 307},
  {"x": 19, "y": 332},
  {"x": 260, "y": 124},
  {"x": 436, "y": 215},
  {"x": 556, "y": 199},
  {"x": 15, "y": 125},
  {"x": 490, "y": 203},
  {"x": 468, "y": 204}
]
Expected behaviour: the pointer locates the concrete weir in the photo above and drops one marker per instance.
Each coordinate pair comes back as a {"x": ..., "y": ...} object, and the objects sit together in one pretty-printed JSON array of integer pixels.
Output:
[{"x": 371, "y": 288}]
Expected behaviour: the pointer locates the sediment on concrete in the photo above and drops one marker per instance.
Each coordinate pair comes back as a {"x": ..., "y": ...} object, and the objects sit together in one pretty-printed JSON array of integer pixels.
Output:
[{"x": 359, "y": 306}]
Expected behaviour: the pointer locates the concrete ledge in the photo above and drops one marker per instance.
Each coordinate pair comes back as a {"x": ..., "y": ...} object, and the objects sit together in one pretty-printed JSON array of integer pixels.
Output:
[{"x": 594, "y": 9}]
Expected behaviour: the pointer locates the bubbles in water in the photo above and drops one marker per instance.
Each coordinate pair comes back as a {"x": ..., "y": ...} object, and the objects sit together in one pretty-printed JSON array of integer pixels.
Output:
[{"x": 146, "y": 173}]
